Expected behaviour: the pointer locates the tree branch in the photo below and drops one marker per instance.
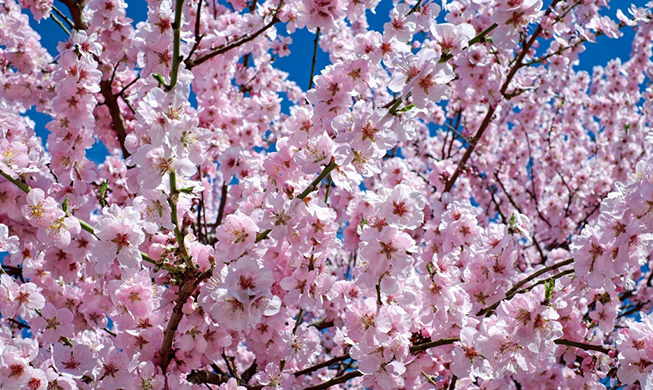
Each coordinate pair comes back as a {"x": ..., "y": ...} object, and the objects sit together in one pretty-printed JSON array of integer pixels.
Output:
[
  {"x": 191, "y": 63},
  {"x": 76, "y": 8},
  {"x": 488, "y": 117},
  {"x": 515, "y": 289},
  {"x": 312, "y": 187},
  {"x": 432, "y": 344},
  {"x": 587, "y": 347},
  {"x": 117, "y": 120},
  {"x": 317, "y": 39},
  {"x": 336, "y": 380},
  {"x": 326, "y": 363}
]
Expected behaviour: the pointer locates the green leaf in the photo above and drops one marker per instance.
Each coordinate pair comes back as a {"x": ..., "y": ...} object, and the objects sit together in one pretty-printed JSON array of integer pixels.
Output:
[
  {"x": 429, "y": 267},
  {"x": 187, "y": 190},
  {"x": 549, "y": 286},
  {"x": 103, "y": 193},
  {"x": 407, "y": 108},
  {"x": 64, "y": 205},
  {"x": 160, "y": 79},
  {"x": 512, "y": 221}
]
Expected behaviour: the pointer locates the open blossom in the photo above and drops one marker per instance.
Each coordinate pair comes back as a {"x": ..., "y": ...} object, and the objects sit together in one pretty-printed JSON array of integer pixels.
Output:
[
  {"x": 39, "y": 210},
  {"x": 315, "y": 153},
  {"x": 423, "y": 76},
  {"x": 467, "y": 360},
  {"x": 271, "y": 378},
  {"x": 459, "y": 197},
  {"x": 452, "y": 38},
  {"x": 636, "y": 352},
  {"x": 156, "y": 210},
  {"x": 323, "y": 13},
  {"x": 403, "y": 208},
  {"x": 54, "y": 323},
  {"x": 512, "y": 16},
  {"x": 155, "y": 163},
  {"x": 7, "y": 243},
  {"x": 365, "y": 128},
  {"x": 19, "y": 300},
  {"x": 243, "y": 294},
  {"x": 384, "y": 251},
  {"x": 400, "y": 26},
  {"x": 61, "y": 230},
  {"x": 73, "y": 360},
  {"x": 235, "y": 235},
  {"x": 120, "y": 235}
]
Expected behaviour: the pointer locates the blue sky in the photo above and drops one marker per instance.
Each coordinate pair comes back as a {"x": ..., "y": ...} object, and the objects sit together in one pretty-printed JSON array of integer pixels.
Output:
[{"x": 299, "y": 62}]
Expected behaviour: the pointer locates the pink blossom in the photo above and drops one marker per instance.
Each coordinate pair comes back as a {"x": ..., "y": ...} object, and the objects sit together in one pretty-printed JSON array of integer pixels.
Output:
[{"x": 54, "y": 323}]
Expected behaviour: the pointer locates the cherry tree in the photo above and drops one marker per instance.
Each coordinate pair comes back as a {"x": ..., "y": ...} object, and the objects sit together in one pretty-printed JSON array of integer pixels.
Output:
[{"x": 452, "y": 203}]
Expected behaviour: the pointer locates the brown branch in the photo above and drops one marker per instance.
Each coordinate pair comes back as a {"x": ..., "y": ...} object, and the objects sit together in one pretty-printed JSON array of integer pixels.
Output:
[
  {"x": 223, "y": 203},
  {"x": 198, "y": 36},
  {"x": 76, "y": 8},
  {"x": 165, "y": 353},
  {"x": 327, "y": 363},
  {"x": 432, "y": 344},
  {"x": 515, "y": 289},
  {"x": 213, "y": 378},
  {"x": 322, "y": 324},
  {"x": 317, "y": 39},
  {"x": 336, "y": 380},
  {"x": 554, "y": 277},
  {"x": 207, "y": 377},
  {"x": 191, "y": 63},
  {"x": 190, "y": 281},
  {"x": 488, "y": 117},
  {"x": 470, "y": 149},
  {"x": 587, "y": 347},
  {"x": 117, "y": 120},
  {"x": 126, "y": 87}
]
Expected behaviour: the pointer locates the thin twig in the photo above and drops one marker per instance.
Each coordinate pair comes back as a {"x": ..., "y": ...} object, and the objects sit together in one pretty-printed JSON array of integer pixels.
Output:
[
  {"x": 190, "y": 63},
  {"x": 317, "y": 39},
  {"x": 490, "y": 113},
  {"x": 63, "y": 16},
  {"x": 57, "y": 21},
  {"x": 515, "y": 289}
]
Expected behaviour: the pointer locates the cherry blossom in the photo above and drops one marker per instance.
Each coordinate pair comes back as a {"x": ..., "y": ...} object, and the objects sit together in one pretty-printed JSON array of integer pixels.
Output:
[{"x": 455, "y": 196}]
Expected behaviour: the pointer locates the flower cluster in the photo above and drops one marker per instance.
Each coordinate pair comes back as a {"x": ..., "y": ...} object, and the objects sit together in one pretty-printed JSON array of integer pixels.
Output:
[{"x": 451, "y": 203}]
